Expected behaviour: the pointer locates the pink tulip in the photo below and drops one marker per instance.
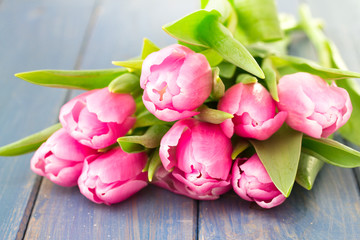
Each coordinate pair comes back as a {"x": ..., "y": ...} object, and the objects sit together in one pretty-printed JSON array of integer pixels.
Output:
[
  {"x": 61, "y": 159},
  {"x": 200, "y": 156},
  {"x": 176, "y": 81},
  {"x": 113, "y": 176},
  {"x": 164, "y": 179},
  {"x": 314, "y": 107},
  {"x": 252, "y": 183},
  {"x": 98, "y": 117},
  {"x": 254, "y": 112}
]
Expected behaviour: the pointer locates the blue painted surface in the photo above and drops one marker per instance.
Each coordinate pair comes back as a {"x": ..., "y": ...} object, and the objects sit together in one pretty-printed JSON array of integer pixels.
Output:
[
  {"x": 330, "y": 210},
  {"x": 66, "y": 34},
  {"x": 34, "y": 35}
]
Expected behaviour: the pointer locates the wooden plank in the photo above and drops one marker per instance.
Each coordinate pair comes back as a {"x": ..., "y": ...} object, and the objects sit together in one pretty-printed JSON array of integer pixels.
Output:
[
  {"x": 119, "y": 33},
  {"x": 153, "y": 213},
  {"x": 32, "y": 37},
  {"x": 342, "y": 26},
  {"x": 331, "y": 209}
]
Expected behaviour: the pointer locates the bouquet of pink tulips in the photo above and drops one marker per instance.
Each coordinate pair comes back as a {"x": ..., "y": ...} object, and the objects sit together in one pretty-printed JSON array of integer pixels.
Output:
[{"x": 224, "y": 108}]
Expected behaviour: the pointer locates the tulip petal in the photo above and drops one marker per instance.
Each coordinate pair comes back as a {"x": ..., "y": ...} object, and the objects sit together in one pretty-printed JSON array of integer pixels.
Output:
[
  {"x": 110, "y": 107},
  {"x": 276, "y": 201},
  {"x": 168, "y": 78},
  {"x": 167, "y": 114},
  {"x": 60, "y": 159},
  {"x": 166, "y": 180},
  {"x": 123, "y": 191},
  {"x": 263, "y": 131},
  {"x": 200, "y": 155},
  {"x": 113, "y": 176},
  {"x": 314, "y": 107},
  {"x": 171, "y": 140},
  {"x": 252, "y": 183},
  {"x": 212, "y": 149},
  {"x": 109, "y": 166}
]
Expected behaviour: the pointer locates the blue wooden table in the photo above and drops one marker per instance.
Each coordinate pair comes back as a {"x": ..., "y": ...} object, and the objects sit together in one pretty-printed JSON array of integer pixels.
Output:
[{"x": 89, "y": 34}]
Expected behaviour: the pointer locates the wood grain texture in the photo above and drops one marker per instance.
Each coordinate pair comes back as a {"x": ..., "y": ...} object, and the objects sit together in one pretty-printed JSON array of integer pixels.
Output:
[
  {"x": 34, "y": 34},
  {"x": 118, "y": 34},
  {"x": 73, "y": 34},
  {"x": 331, "y": 209},
  {"x": 153, "y": 213},
  {"x": 63, "y": 213}
]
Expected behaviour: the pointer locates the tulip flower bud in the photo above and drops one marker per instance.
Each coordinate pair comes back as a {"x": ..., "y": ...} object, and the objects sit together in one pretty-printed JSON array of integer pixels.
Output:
[
  {"x": 252, "y": 183},
  {"x": 176, "y": 81},
  {"x": 168, "y": 181},
  {"x": 254, "y": 112},
  {"x": 98, "y": 118},
  {"x": 61, "y": 159},
  {"x": 125, "y": 83},
  {"x": 199, "y": 154},
  {"x": 314, "y": 107},
  {"x": 113, "y": 176}
]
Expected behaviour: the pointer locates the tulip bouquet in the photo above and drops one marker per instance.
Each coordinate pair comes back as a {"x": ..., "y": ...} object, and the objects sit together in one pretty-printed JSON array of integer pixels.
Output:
[{"x": 226, "y": 107}]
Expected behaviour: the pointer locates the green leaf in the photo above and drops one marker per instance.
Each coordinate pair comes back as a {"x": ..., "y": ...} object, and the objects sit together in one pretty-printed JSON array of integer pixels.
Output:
[
  {"x": 212, "y": 56},
  {"x": 155, "y": 163},
  {"x": 258, "y": 19},
  {"x": 130, "y": 147},
  {"x": 332, "y": 152},
  {"x": 30, "y": 143},
  {"x": 218, "y": 37},
  {"x": 309, "y": 167},
  {"x": 186, "y": 28},
  {"x": 218, "y": 87},
  {"x": 280, "y": 156},
  {"x": 239, "y": 145},
  {"x": 126, "y": 83},
  {"x": 146, "y": 119},
  {"x": 151, "y": 138},
  {"x": 140, "y": 107},
  {"x": 351, "y": 130},
  {"x": 227, "y": 70},
  {"x": 310, "y": 26},
  {"x": 148, "y": 48},
  {"x": 232, "y": 21},
  {"x": 222, "y": 6},
  {"x": 213, "y": 116},
  {"x": 202, "y": 28},
  {"x": 131, "y": 65},
  {"x": 195, "y": 48},
  {"x": 75, "y": 79},
  {"x": 246, "y": 78},
  {"x": 270, "y": 78},
  {"x": 305, "y": 65},
  {"x": 288, "y": 22},
  {"x": 204, "y": 3},
  {"x": 146, "y": 168}
]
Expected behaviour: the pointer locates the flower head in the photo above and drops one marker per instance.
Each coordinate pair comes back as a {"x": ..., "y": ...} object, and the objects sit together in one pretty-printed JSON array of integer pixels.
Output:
[
  {"x": 113, "y": 176},
  {"x": 200, "y": 155},
  {"x": 254, "y": 112},
  {"x": 61, "y": 159},
  {"x": 98, "y": 117},
  {"x": 176, "y": 81},
  {"x": 314, "y": 107},
  {"x": 252, "y": 183}
]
